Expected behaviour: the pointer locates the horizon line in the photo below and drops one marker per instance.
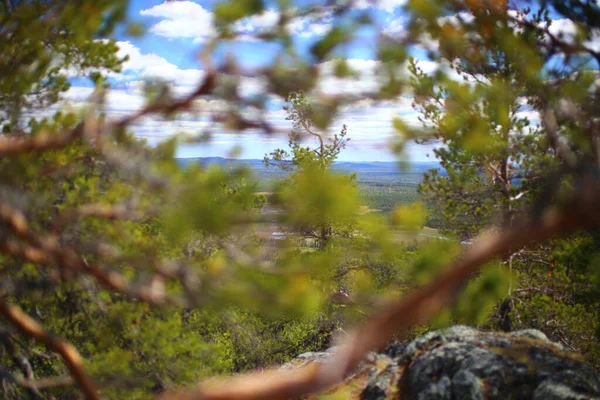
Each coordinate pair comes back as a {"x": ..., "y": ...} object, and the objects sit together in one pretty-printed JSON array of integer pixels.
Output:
[{"x": 337, "y": 161}]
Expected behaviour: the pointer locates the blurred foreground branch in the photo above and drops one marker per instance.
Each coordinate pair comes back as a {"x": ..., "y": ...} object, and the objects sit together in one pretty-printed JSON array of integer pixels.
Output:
[
  {"x": 46, "y": 249},
  {"x": 41, "y": 142},
  {"x": 31, "y": 328}
]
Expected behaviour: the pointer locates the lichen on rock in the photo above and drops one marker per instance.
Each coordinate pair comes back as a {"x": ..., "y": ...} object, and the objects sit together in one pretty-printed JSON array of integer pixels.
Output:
[{"x": 465, "y": 363}]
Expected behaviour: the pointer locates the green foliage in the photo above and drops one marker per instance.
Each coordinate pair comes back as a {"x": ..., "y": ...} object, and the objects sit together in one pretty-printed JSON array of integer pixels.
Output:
[
  {"x": 333, "y": 38},
  {"x": 493, "y": 161},
  {"x": 30, "y": 77},
  {"x": 316, "y": 201},
  {"x": 155, "y": 273},
  {"x": 232, "y": 11},
  {"x": 317, "y": 198},
  {"x": 559, "y": 294},
  {"x": 302, "y": 113}
]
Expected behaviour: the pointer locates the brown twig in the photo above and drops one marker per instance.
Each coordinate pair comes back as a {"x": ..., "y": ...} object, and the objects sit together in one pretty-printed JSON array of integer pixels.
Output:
[{"x": 31, "y": 328}]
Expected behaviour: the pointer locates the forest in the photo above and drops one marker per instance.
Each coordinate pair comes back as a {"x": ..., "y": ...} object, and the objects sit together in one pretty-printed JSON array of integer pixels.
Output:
[{"x": 130, "y": 272}]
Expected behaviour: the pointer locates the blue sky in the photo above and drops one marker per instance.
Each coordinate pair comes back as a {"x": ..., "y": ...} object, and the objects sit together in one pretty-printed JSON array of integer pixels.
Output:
[{"x": 177, "y": 30}]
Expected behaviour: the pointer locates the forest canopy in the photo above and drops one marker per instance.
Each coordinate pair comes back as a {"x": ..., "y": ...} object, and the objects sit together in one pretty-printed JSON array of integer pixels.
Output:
[{"x": 127, "y": 275}]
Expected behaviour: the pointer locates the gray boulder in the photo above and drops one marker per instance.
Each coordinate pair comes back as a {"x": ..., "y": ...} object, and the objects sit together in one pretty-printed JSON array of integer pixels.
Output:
[{"x": 465, "y": 363}]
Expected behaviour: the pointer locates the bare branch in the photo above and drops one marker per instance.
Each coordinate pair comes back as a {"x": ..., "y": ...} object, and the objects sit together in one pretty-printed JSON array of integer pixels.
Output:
[
  {"x": 40, "y": 142},
  {"x": 47, "y": 141},
  {"x": 48, "y": 383},
  {"x": 549, "y": 119},
  {"x": 315, "y": 134},
  {"x": 106, "y": 211},
  {"x": 205, "y": 87},
  {"x": 22, "y": 363},
  {"x": 31, "y": 328}
]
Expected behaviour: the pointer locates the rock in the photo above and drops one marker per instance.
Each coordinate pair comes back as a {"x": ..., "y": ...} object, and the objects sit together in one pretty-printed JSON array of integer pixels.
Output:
[
  {"x": 307, "y": 358},
  {"x": 464, "y": 363}
]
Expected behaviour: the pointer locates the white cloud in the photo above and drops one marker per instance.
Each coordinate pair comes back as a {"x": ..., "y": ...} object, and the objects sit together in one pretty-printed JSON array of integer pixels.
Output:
[
  {"x": 387, "y": 5},
  {"x": 456, "y": 19},
  {"x": 370, "y": 78},
  {"x": 118, "y": 101},
  {"x": 533, "y": 116},
  {"x": 566, "y": 30},
  {"x": 181, "y": 19},
  {"x": 305, "y": 26},
  {"x": 307, "y": 29},
  {"x": 315, "y": 25},
  {"x": 151, "y": 65},
  {"x": 390, "y": 5},
  {"x": 366, "y": 82},
  {"x": 369, "y": 122},
  {"x": 396, "y": 28},
  {"x": 186, "y": 19},
  {"x": 265, "y": 21}
]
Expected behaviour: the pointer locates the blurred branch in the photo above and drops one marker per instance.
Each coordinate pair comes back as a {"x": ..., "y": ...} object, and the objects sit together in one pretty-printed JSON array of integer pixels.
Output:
[
  {"x": 418, "y": 307},
  {"x": 40, "y": 142},
  {"x": 205, "y": 87},
  {"x": 47, "y": 141},
  {"x": 106, "y": 211},
  {"x": 552, "y": 129},
  {"x": 31, "y": 328},
  {"x": 556, "y": 40},
  {"x": 34, "y": 386},
  {"x": 46, "y": 250},
  {"x": 47, "y": 383},
  {"x": 22, "y": 363}
]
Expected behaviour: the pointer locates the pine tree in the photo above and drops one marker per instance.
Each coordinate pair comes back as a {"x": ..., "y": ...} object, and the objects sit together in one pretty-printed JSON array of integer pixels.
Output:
[{"x": 56, "y": 39}]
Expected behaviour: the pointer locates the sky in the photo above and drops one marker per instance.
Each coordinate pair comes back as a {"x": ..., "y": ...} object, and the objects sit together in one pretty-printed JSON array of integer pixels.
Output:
[{"x": 177, "y": 30}]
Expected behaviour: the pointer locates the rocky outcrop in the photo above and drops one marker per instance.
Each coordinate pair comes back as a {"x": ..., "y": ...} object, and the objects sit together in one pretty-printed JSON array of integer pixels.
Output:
[{"x": 465, "y": 363}]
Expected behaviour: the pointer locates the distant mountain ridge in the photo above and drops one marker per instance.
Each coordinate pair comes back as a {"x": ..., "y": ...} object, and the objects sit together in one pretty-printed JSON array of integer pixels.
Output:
[{"x": 360, "y": 167}]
